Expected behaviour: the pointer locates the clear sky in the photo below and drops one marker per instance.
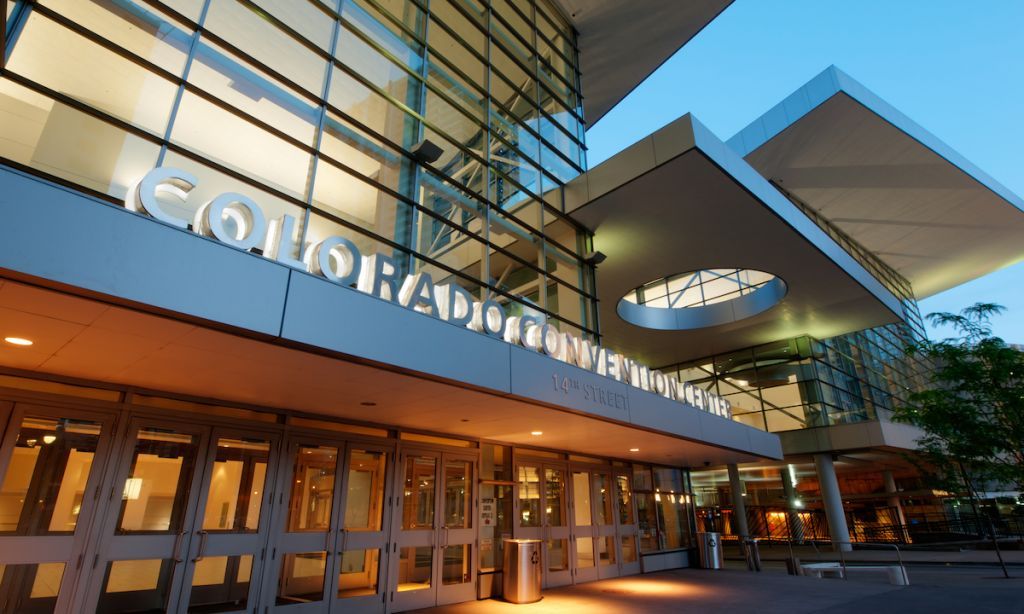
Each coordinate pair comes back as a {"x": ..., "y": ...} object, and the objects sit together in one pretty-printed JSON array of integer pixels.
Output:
[{"x": 954, "y": 67}]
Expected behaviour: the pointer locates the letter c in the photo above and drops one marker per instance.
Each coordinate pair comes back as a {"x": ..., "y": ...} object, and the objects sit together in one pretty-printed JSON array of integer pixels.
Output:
[{"x": 141, "y": 197}]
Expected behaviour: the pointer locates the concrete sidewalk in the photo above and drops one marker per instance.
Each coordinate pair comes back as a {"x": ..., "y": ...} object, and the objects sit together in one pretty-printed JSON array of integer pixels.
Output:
[{"x": 771, "y": 592}]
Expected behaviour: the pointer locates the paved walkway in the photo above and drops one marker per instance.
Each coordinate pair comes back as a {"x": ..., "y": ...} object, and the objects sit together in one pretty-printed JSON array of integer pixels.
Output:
[{"x": 974, "y": 590}]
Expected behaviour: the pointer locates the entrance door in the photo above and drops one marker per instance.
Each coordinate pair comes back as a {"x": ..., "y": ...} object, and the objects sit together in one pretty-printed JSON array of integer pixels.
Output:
[
  {"x": 185, "y": 526},
  {"x": 434, "y": 535},
  {"x": 584, "y": 530},
  {"x": 333, "y": 527},
  {"x": 50, "y": 470},
  {"x": 541, "y": 514},
  {"x": 606, "y": 551},
  {"x": 625, "y": 508}
]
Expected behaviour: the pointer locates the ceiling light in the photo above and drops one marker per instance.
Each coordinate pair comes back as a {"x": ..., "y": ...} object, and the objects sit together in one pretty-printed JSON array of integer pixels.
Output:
[
  {"x": 634, "y": 449},
  {"x": 536, "y": 433},
  {"x": 368, "y": 404},
  {"x": 49, "y": 438},
  {"x": 18, "y": 341}
]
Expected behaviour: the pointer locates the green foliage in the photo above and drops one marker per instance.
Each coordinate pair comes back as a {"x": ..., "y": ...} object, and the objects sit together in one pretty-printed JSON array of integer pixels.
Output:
[{"x": 972, "y": 411}]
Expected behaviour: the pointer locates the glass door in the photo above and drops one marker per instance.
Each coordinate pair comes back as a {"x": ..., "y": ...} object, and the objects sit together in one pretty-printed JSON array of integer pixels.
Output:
[
  {"x": 48, "y": 495},
  {"x": 626, "y": 527},
  {"x": 434, "y": 535},
  {"x": 226, "y": 549},
  {"x": 606, "y": 551},
  {"x": 583, "y": 529},
  {"x": 541, "y": 514},
  {"x": 362, "y": 544},
  {"x": 146, "y": 537}
]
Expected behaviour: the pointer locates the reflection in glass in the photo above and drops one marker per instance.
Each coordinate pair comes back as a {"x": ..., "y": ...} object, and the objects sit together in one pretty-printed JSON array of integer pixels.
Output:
[
  {"x": 236, "y": 485},
  {"x": 312, "y": 497},
  {"x": 529, "y": 496},
  {"x": 554, "y": 496},
  {"x": 625, "y": 499},
  {"x": 558, "y": 554},
  {"x": 31, "y": 588},
  {"x": 628, "y": 549},
  {"x": 584, "y": 552},
  {"x": 606, "y": 550},
  {"x": 156, "y": 491},
  {"x": 455, "y": 568},
  {"x": 603, "y": 499},
  {"x": 359, "y": 574},
  {"x": 581, "y": 492},
  {"x": 418, "y": 496},
  {"x": 302, "y": 577},
  {"x": 414, "y": 568},
  {"x": 364, "y": 495},
  {"x": 136, "y": 586},
  {"x": 220, "y": 584},
  {"x": 49, "y": 466},
  {"x": 458, "y": 493}
]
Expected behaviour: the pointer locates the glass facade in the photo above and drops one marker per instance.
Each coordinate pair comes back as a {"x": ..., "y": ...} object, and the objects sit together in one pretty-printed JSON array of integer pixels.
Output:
[
  {"x": 321, "y": 111},
  {"x": 805, "y": 382}
]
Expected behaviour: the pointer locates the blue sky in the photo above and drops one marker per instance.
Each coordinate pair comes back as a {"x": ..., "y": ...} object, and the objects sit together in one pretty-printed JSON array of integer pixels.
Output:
[{"x": 955, "y": 68}]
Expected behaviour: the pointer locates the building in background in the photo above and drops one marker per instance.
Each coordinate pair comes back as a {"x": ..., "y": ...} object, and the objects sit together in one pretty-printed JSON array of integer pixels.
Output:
[{"x": 307, "y": 305}]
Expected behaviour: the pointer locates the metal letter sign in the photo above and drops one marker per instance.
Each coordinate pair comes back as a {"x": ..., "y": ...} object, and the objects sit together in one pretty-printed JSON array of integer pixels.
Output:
[{"x": 236, "y": 220}]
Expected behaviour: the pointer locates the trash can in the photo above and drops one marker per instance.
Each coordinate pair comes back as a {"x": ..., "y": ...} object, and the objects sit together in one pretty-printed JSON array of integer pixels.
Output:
[
  {"x": 709, "y": 547},
  {"x": 521, "y": 571}
]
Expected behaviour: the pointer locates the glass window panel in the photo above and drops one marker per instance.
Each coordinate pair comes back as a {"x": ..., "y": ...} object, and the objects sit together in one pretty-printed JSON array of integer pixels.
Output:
[
  {"x": 237, "y": 485},
  {"x": 556, "y": 165},
  {"x": 529, "y": 496},
  {"x": 303, "y": 17},
  {"x": 418, "y": 497},
  {"x": 455, "y": 125},
  {"x": 554, "y": 496},
  {"x": 628, "y": 548},
  {"x": 246, "y": 29},
  {"x": 368, "y": 61},
  {"x": 188, "y": 8},
  {"x": 455, "y": 568},
  {"x": 603, "y": 499},
  {"x": 673, "y": 528},
  {"x": 606, "y": 550},
  {"x": 349, "y": 145},
  {"x": 512, "y": 132},
  {"x": 668, "y": 480},
  {"x": 558, "y": 554},
  {"x": 302, "y": 578},
  {"x": 354, "y": 200},
  {"x": 516, "y": 181},
  {"x": 512, "y": 87},
  {"x": 581, "y": 499},
  {"x": 647, "y": 522},
  {"x": 157, "y": 488},
  {"x": 312, "y": 491},
  {"x": 364, "y": 493},
  {"x": 407, "y": 13},
  {"x": 136, "y": 586},
  {"x": 248, "y": 89},
  {"x": 32, "y": 588},
  {"x": 642, "y": 478},
  {"x": 373, "y": 110},
  {"x": 415, "y": 568},
  {"x": 520, "y": 46},
  {"x": 147, "y": 33},
  {"x": 321, "y": 228},
  {"x": 359, "y": 574},
  {"x": 234, "y": 142},
  {"x": 49, "y": 465},
  {"x": 584, "y": 552},
  {"x": 495, "y": 523},
  {"x": 221, "y": 583},
  {"x": 458, "y": 494},
  {"x": 76, "y": 67},
  {"x": 456, "y": 49},
  {"x": 467, "y": 97},
  {"x": 777, "y": 420}
]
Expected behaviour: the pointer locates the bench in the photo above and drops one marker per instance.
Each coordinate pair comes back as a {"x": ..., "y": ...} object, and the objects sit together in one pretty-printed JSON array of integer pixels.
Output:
[{"x": 897, "y": 574}]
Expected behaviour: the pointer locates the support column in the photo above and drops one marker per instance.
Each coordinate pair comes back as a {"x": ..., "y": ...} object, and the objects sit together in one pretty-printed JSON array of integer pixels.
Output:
[
  {"x": 796, "y": 525},
  {"x": 832, "y": 499},
  {"x": 739, "y": 506},
  {"x": 894, "y": 501}
]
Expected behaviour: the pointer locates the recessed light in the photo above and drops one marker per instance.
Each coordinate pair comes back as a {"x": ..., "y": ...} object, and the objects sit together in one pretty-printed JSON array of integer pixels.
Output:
[
  {"x": 536, "y": 433},
  {"x": 18, "y": 341},
  {"x": 368, "y": 404},
  {"x": 634, "y": 449}
]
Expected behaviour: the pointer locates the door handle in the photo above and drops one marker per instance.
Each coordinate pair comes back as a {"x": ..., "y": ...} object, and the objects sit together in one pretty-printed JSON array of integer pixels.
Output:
[
  {"x": 202, "y": 546},
  {"x": 177, "y": 547},
  {"x": 344, "y": 539}
]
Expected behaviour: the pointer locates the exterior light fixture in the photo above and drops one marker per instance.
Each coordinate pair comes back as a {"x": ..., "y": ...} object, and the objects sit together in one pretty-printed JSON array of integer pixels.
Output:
[
  {"x": 427, "y": 151},
  {"x": 536, "y": 433},
  {"x": 49, "y": 438},
  {"x": 634, "y": 449},
  {"x": 595, "y": 258},
  {"x": 18, "y": 341}
]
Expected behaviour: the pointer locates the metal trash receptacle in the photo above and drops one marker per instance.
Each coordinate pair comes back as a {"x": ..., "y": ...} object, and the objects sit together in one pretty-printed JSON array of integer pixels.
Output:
[
  {"x": 521, "y": 571},
  {"x": 709, "y": 547}
]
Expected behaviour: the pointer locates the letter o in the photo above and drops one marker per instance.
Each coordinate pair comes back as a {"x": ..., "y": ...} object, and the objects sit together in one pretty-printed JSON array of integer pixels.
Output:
[
  {"x": 248, "y": 216},
  {"x": 550, "y": 340},
  {"x": 486, "y": 309},
  {"x": 318, "y": 258}
]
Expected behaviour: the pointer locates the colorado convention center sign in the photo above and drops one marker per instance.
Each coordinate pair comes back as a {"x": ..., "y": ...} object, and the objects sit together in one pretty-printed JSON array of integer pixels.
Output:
[{"x": 338, "y": 260}]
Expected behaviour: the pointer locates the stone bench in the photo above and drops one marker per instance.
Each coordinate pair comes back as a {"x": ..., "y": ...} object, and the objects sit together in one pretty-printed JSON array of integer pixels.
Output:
[{"x": 897, "y": 574}]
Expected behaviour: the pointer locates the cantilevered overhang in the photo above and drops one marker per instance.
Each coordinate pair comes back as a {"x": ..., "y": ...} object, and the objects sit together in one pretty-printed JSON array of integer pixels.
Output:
[
  {"x": 622, "y": 43},
  {"x": 680, "y": 200},
  {"x": 886, "y": 182}
]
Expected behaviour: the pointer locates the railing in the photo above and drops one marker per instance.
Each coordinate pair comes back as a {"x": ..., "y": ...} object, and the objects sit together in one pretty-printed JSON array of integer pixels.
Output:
[{"x": 842, "y": 556}]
